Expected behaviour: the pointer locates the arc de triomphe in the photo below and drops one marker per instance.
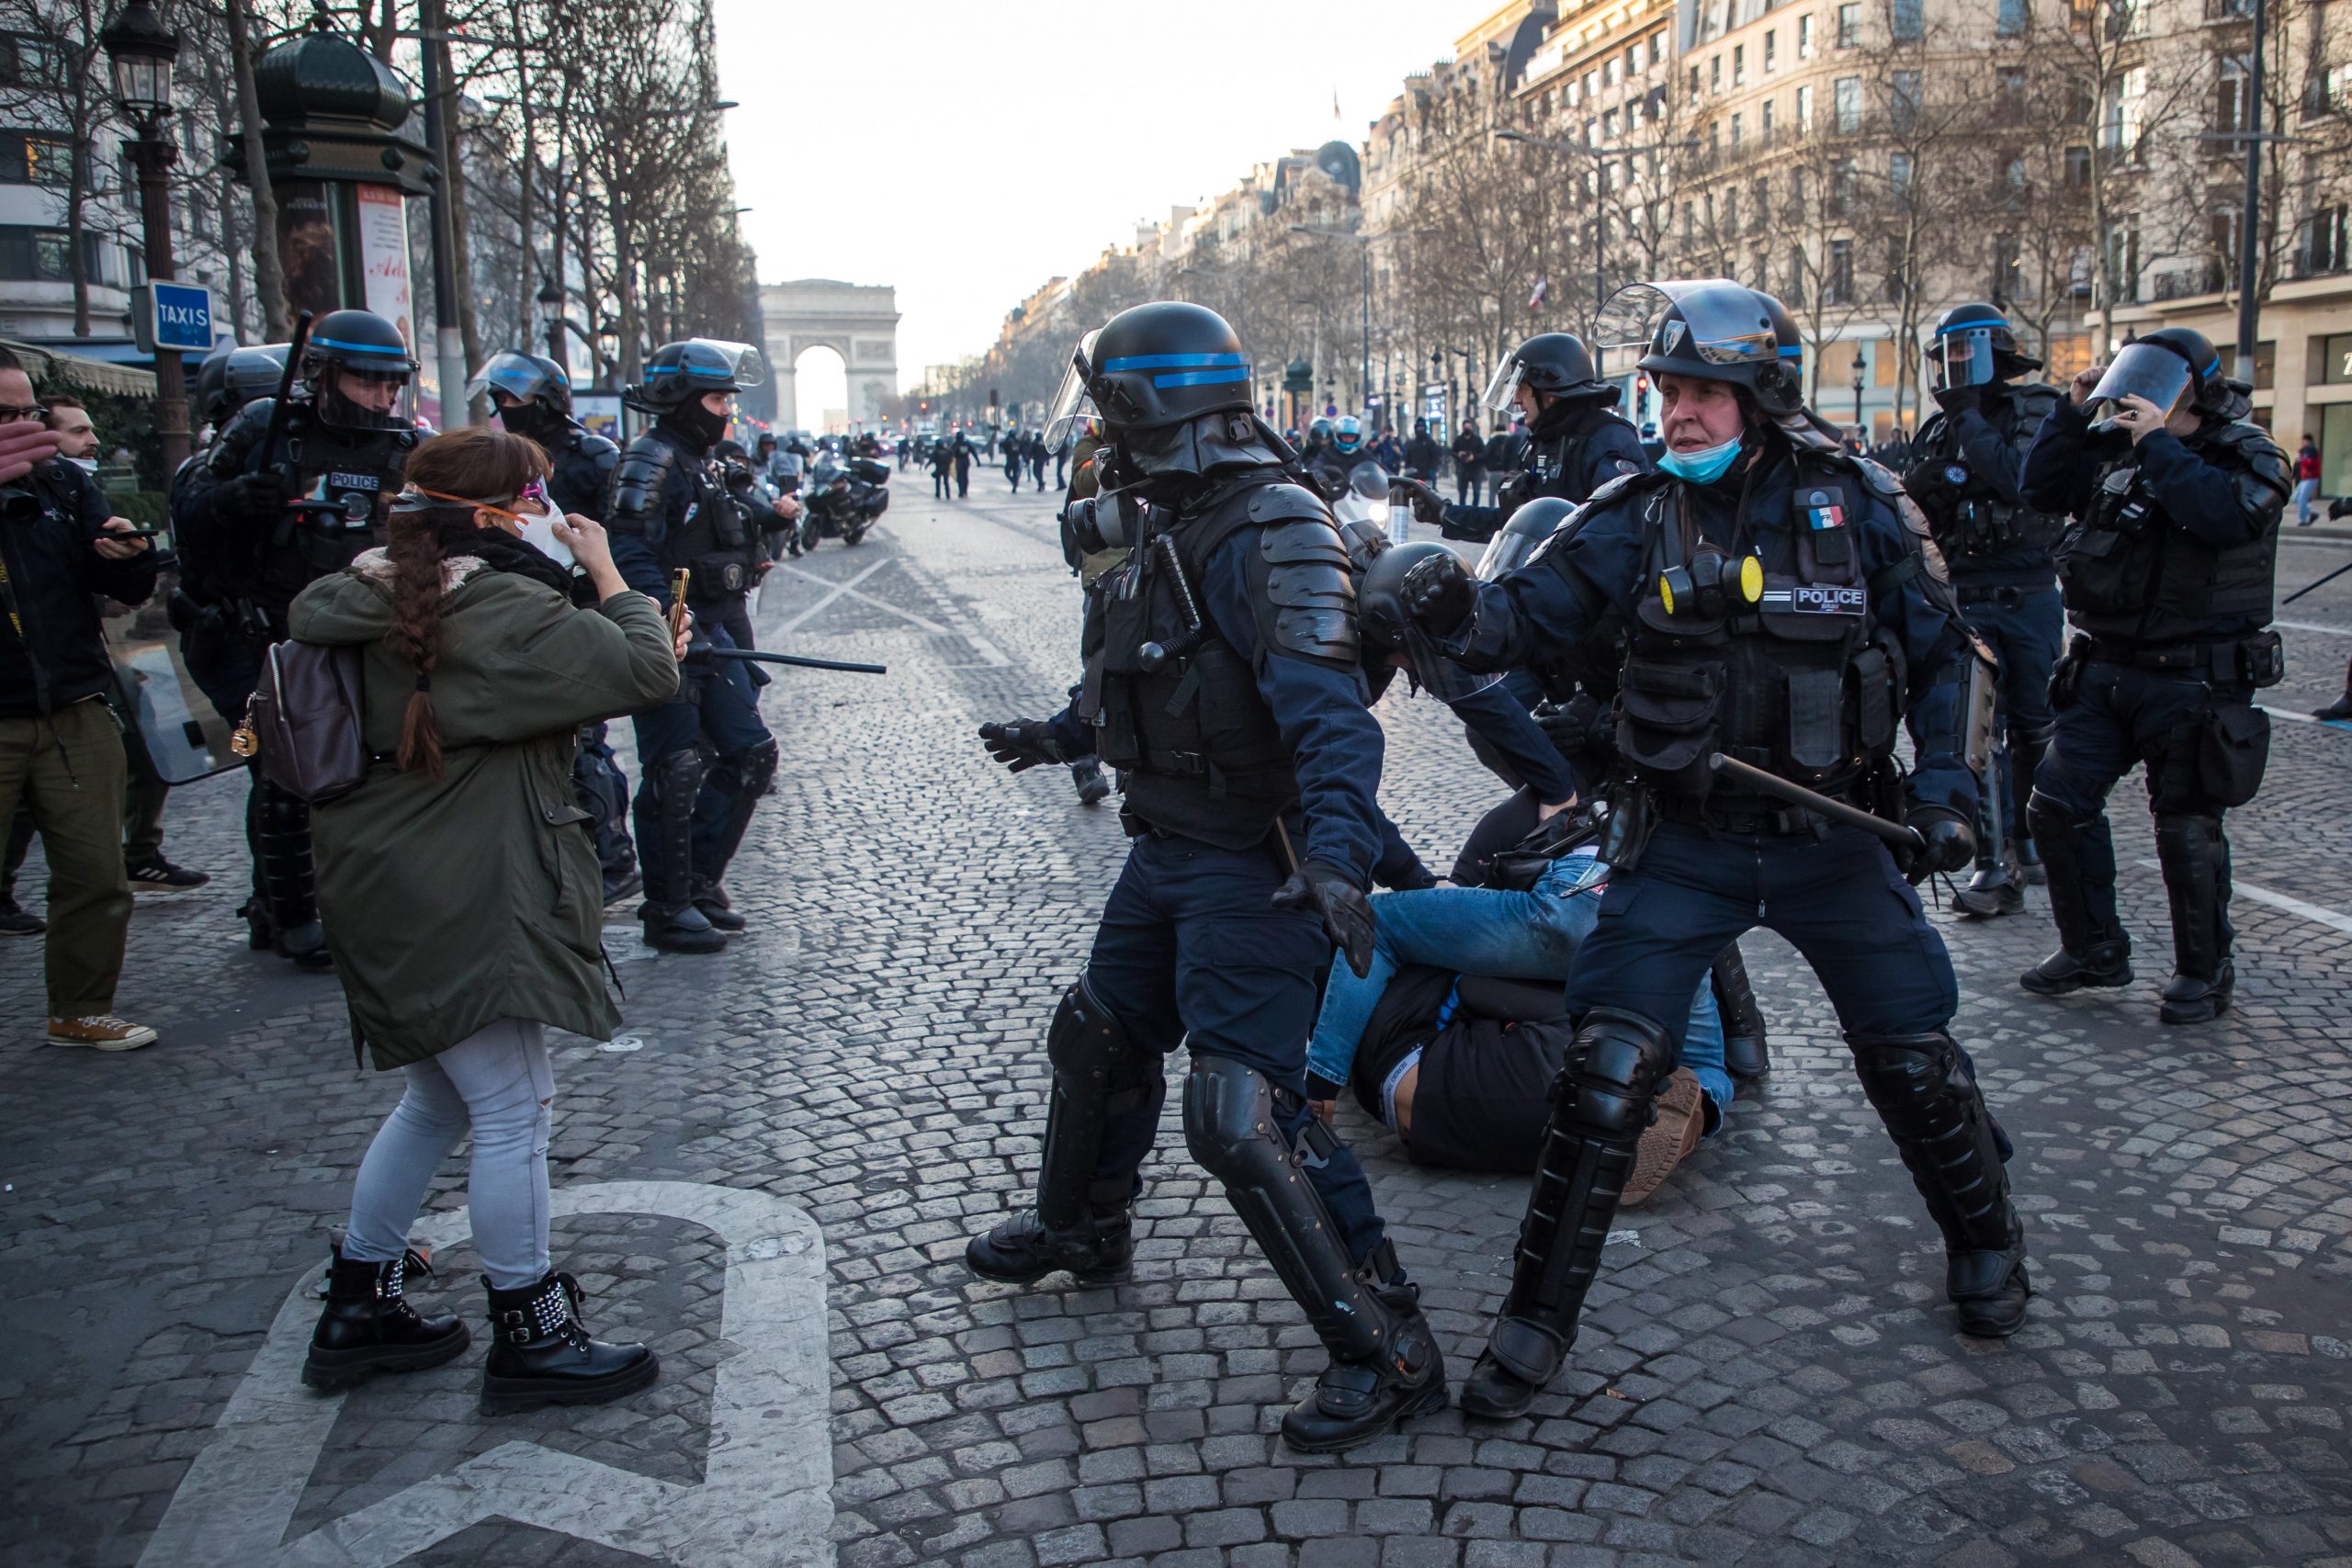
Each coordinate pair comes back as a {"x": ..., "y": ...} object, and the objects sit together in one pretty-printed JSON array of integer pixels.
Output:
[{"x": 859, "y": 321}]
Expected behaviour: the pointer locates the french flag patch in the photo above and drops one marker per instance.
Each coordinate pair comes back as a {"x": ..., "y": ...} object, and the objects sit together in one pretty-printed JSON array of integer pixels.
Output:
[{"x": 1832, "y": 516}]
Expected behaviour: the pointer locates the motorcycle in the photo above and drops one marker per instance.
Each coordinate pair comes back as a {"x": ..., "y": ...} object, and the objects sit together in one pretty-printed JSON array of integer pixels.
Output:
[
  {"x": 842, "y": 499},
  {"x": 1367, "y": 501}
]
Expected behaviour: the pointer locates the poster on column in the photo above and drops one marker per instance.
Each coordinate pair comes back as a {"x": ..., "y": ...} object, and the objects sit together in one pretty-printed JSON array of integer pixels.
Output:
[{"x": 383, "y": 263}]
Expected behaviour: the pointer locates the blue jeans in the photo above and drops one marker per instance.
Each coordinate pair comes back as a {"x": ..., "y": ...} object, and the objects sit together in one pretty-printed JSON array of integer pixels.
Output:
[{"x": 1486, "y": 930}]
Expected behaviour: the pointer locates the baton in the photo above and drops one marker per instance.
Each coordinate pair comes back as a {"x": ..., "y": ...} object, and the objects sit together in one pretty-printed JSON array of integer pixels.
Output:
[
  {"x": 277, "y": 429},
  {"x": 1836, "y": 810},
  {"x": 2323, "y": 582},
  {"x": 798, "y": 660}
]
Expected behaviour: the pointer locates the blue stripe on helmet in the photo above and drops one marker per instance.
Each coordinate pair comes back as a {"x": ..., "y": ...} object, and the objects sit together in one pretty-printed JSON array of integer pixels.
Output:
[
  {"x": 2213, "y": 368},
  {"x": 367, "y": 347},
  {"x": 1171, "y": 362},
  {"x": 1792, "y": 351},
  {"x": 1202, "y": 377}
]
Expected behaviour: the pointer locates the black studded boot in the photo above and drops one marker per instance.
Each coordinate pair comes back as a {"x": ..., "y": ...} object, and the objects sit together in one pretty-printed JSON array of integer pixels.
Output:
[
  {"x": 541, "y": 1354},
  {"x": 368, "y": 1326}
]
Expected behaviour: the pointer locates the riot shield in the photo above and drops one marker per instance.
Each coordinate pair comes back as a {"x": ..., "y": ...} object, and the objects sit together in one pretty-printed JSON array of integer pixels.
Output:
[{"x": 186, "y": 737}]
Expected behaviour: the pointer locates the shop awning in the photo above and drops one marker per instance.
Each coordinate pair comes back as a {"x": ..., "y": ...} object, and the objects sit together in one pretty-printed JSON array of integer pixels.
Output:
[{"x": 52, "y": 368}]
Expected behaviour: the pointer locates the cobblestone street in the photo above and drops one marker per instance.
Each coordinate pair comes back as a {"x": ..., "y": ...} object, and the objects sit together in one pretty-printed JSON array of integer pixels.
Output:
[{"x": 1768, "y": 1374}]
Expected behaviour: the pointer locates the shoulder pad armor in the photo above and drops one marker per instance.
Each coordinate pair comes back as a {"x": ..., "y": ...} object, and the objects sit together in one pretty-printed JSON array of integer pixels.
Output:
[
  {"x": 2035, "y": 398},
  {"x": 233, "y": 446},
  {"x": 1272, "y": 504},
  {"x": 597, "y": 446},
  {"x": 1610, "y": 491},
  {"x": 636, "y": 500},
  {"x": 1305, "y": 598},
  {"x": 2253, "y": 446}
]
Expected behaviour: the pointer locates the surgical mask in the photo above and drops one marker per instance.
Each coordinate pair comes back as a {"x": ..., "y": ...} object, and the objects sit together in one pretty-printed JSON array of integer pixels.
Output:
[
  {"x": 88, "y": 465},
  {"x": 538, "y": 532},
  {"x": 1703, "y": 467}
]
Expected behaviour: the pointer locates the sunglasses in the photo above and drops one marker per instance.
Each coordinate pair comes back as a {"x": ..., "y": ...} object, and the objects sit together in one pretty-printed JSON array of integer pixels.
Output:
[{"x": 9, "y": 412}]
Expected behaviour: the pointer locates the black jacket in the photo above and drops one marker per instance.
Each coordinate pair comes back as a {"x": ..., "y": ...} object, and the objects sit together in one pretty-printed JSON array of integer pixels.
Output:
[{"x": 52, "y": 649}]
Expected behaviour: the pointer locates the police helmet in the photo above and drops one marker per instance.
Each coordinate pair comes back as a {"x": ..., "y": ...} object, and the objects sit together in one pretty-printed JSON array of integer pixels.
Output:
[
  {"x": 1556, "y": 364},
  {"x": 679, "y": 373},
  {"x": 1974, "y": 346},
  {"x": 358, "y": 373},
  {"x": 1153, "y": 366},
  {"x": 1714, "y": 330},
  {"x": 522, "y": 378},
  {"x": 1318, "y": 431},
  {"x": 2162, "y": 368},
  {"x": 1534, "y": 522},
  {"x": 230, "y": 378},
  {"x": 1350, "y": 435},
  {"x": 209, "y": 385},
  {"x": 1389, "y": 633}
]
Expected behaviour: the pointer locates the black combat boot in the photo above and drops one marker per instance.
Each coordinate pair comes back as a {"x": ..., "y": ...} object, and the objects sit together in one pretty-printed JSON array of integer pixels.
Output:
[
  {"x": 1745, "y": 1055},
  {"x": 2105, "y": 966},
  {"x": 2031, "y": 870},
  {"x": 1991, "y": 892},
  {"x": 1355, "y": 1402},
  {"x": 541, "y": 1355},
  {"x": 2196, "y": 861},
  {"x": 368, "y": 1326},
  {"x": 1099, "y": 1250},
  {"x": 711, "y": 897}
]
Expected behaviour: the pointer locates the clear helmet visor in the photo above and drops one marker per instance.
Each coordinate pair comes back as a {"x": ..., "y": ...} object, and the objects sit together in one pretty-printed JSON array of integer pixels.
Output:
[
  {"x": 365, "y": 397},
  {"x": 1721, "y": 322},
  {"x": 2147, "y": 370},
  {"x": 709, "y": 364},
  {"x": 1071, "y": 406},
  {"x": 1502, "y": 392},
  {"x": 513, "y": 374},
  {"x": 1435, "y": 673},
  {"x": 1962, "y": 357},
  {"x": 1370, "y": 481}
]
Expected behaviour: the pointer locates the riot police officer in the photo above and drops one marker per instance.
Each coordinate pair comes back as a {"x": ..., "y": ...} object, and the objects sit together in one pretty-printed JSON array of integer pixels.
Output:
[
  {"x": 1577, "y": 442},
  {"x": 1223, "y": 683},
  {"x": 1779, "y": 613},
  {"x": 1964, "y": 472},
  {"x": 705, "y": 757},
  {"x": 531, "y": 395},
  {"x": 2167, "y": 572},
  {"x": 286, "y": 496}
]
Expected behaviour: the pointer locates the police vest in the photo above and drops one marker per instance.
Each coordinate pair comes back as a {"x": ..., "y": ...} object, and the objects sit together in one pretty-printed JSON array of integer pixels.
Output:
[
  {"x": 346, "y": 479},
  {"x": 581, "y": 464},
  {"x": 1800, "y": 681},
  {"x": 708, "y": 538},
  {"x": 1970, "y": 522},
  {"x": 1555, "y": 464},
  {"x": 2128, "y": 569},
  {"x": 1176, "y": 707}
]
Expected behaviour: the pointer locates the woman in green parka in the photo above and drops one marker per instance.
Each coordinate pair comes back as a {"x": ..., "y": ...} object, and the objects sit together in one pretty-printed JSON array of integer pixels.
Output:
[{"x": 462, "y": 898}]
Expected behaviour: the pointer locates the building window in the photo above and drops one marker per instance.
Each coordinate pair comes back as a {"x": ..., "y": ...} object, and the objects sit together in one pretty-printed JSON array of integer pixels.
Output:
[
  {"x": 2009, "y": 81},
  {"x": 1609, "y": 125},
  {"x": 26, "y": 60},
  {"x": 1903, "y": 101},
  {"x": 1737, "y": 120},
  {"x": 1731, "y": 214},
  {"x": 2233, "y": 96},
  {"x": 1591, "y": 83},
  {"x": 1847, "y": 96},
  {"x": 2336, "y": 449},
  {"x": 1739, "y": 64},
  {"x": 1850, "y": 25},
  {"x": 1837, "y": 288},
  {"x": 1841, "y": 188},
  {"x": 1898, "y": 172},
  {"x": 1694, "y": 80},
  {"x": 2078, "y": 169},
  {"x": 1609, "y": 71},
  {"x": 1714, "y": 72},
  {"x": 2122, "y": 117},
  {"x": 1794, "y": 295},
  {"x": 1771, "y": 49},
  {"x": 1804, "y": 37},
  {"x": 1909, "y": 18},
  {"x": 1764, "y": 121},
  {"x": 1805, "y": 110},
  {"x": 1658, "y": 48},
  {"x": 1763, "y": 216},
  {"x": 2009, "y": 20},
  {"x": 2007, "y": 269},
  {"x": 2333, "y": 367},
  {"x": 41, "y": 255},
  {"x": 2323, "y": 248},
  {"x": 27, "y": 157}
]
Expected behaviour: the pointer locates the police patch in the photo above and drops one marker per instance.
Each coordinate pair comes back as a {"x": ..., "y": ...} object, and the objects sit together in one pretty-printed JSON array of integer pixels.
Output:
[{"x": 340, "y": 480}]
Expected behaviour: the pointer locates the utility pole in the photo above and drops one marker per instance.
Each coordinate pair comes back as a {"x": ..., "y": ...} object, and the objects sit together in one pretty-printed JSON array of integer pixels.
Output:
[
  {"x": 2249, "y": 251},
  {"x": 449, "y": 341}
]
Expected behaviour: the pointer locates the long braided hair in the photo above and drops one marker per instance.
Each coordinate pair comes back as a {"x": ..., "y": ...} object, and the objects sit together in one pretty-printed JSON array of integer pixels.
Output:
[{"x": 481, "y": 463}]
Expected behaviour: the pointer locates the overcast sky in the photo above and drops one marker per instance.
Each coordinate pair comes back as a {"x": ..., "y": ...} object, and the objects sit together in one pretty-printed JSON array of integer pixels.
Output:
[{"x": 967, "y": 152}]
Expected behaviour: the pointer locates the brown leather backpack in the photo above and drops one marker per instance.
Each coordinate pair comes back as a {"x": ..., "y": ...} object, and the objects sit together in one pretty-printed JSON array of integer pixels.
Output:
[{"x": 306, "y": 718}]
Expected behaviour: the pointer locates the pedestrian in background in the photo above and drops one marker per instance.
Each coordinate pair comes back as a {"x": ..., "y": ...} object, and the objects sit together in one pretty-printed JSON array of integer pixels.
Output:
[
  {"x": 462, "y": 902},
  {"x": 61, "y": 748},
  {"x": 1469, "y": 465},
  {"x": 2306, "y": 480}
]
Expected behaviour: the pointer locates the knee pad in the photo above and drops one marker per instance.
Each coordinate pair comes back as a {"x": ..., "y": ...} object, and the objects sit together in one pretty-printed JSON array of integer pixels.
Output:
[
  {"x": 679, "y": 776},
  {"x": 1229, "y": 1124},
  {"x": 1616, "y": 1065},
  {"x": 757, "y": 768},
  {"x": 2184, "y": 839},
  {"x": 1906, "y": 1076},
  {"x": 2047, "y": 817},
  {"x": 1087, "y": 1039}
]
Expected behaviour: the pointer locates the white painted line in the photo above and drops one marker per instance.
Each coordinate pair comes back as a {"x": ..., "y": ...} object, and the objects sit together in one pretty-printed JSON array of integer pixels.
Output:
[
  {"x": 2314, "y": 913},
  {"x": 839, "y": 588},
  {"x": 2292, "y": 716},
  {"x": 844, "y": 588},
  {"x": 2314, "y": 626},
  {"x": 766, "y": 1497}
]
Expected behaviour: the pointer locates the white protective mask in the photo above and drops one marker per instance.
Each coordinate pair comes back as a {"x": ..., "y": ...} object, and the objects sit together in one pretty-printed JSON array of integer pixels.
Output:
[{"x": 538, "y": 532}]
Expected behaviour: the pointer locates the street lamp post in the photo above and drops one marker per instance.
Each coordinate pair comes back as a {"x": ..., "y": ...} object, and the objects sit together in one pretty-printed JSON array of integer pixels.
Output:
[
  {"x": 1862, "y": 367},
  {"x": 550, "y": 302},
  {"x": 142, "y": 51}
]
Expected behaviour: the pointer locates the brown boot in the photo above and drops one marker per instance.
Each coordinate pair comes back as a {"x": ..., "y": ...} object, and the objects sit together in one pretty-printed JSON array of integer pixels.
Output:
[{"x": 1681, "y": 1118}]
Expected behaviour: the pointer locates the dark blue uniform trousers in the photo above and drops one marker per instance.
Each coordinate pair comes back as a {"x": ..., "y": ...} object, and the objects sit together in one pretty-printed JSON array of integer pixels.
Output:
[
  {"x": 1840, "y": 902},
  {"x": 1191, "y": 951},
  {"x": 717, "y": 707},
  {"x": 2024, "y": 636}
]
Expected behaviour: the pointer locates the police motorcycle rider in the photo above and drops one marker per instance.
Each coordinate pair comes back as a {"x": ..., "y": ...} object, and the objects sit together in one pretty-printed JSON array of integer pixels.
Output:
[
  {"x": 1222, "y": 681},
  {"x": 530, "y": 394},
  {"x": 1577, "y": 442},
  {"x": 1782, "y": 611},
  {"x": 1964, "y": 471},
  {"x": 2167, "y": 571},
  {"x": 705, "y": 757},
  {"x": 258, "y": 524},
  {"x": 1331, "y": 462}
]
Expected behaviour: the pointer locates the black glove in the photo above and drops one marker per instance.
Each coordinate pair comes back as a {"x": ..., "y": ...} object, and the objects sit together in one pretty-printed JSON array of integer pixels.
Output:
[
  {"x": 1956, "y": 400},
  {"x": 252, "y": 498},
  {"x": 1951, "y": 843},
  {"x": 1571, "y": 724},
  {"x": 1425, "y": 503},
  {"x": 1347, "y": 913},
  {"x": 1024, "y": 743},
  {"x": 1440, "y": 593}
]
